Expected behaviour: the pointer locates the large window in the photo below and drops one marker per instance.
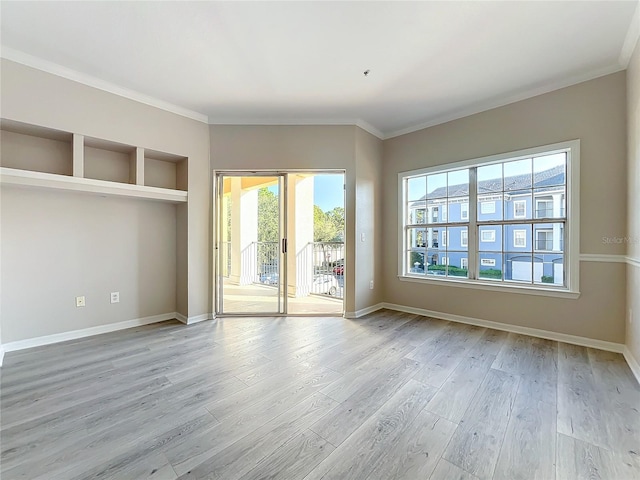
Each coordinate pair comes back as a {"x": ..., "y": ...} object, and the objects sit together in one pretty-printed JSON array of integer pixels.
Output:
[{"x": 507, "y": 221}]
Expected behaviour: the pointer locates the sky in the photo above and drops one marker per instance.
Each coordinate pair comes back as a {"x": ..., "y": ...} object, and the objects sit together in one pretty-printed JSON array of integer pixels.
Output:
[{"x": 328, "y": 191}]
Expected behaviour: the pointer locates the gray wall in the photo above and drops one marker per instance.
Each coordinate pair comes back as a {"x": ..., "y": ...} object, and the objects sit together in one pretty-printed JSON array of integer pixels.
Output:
[
  {"x": 56, "y": 246},
  {"x": 594, "y": 112},
  {"x": 319, "y": 147},
  {"x": 32, "y": 96},
  {"x": 633, "y": 232},
  {"x": 368, "y": 220}
]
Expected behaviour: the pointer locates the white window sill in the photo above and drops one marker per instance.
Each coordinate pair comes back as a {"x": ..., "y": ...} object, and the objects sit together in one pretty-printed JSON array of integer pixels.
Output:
[{"x": 494, "y": 287}]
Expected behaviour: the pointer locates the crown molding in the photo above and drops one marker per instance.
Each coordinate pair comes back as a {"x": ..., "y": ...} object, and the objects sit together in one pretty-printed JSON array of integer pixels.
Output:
[
  {"x": 501, "y": 102},
  {"x": 298, "y": 122},
  {"x": 91, "y": 81},
  {"x": 631, "y": 39}
]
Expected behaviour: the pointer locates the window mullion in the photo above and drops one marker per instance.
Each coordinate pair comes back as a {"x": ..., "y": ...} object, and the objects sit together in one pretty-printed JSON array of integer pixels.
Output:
[{"x": 472, "y": 235}]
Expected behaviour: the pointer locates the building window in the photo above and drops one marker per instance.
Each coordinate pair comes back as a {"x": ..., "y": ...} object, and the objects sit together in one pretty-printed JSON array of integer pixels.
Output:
[
  {"x": 434, "y": 215},
  {"x": 514, "y": 219},
  {"x": 464, "y": 211},
  {"x": 544, "y": 239},
  {"x": 520, "y": 238},
  {"x": 487, "y": 236},
  {"x": 487, "y": 207},
  {"x": 544, "y": 208}
]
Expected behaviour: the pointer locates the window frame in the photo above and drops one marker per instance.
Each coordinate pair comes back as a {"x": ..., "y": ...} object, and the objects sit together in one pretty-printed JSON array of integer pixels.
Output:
[
  {"x": 517, "y": 203},
  {"x": 464, "y": 238},
  {"x": 465, "y": 211},
  {"x": 520, "y": 234},
  {"x": 571, "y": 223},
  {"x": 492, "y": 236}
]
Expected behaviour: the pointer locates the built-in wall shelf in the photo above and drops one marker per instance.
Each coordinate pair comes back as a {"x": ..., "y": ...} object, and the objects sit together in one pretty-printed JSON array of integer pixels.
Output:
[
  {"x": 41, "y": 157},
  {"x": 50, "y": 181}
]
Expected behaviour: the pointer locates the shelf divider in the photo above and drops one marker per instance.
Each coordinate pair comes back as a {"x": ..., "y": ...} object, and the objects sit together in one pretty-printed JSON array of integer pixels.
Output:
[{"x": 78, "y": 155}]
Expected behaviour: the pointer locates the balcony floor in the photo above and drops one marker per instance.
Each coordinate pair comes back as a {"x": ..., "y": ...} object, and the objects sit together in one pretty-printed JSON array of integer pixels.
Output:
[{"x": 256, "y": 298}]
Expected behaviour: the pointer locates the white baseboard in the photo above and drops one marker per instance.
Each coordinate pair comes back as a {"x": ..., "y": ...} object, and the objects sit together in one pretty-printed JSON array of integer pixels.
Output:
[
  {"x": 532, "y": 332},
  {"x": 634, "y": 262},
  {"x": 195, "y": 319},
  {"x": 633, "y": 363},
  {"x": 198, "y": 318},
  {"x": 1, "y": 355},
  {"x": 364, "y": 311},
  {"x": 86, "y": 332}
]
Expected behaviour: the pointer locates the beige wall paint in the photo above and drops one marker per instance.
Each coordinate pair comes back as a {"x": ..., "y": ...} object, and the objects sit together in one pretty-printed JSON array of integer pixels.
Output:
[
  {"x": 633, "y": 232},
  {"x": 368, "y": 219},
  {"x": 595, "y": 113},
  {"x": 310, "y": 147},
  {"x": 32, "y": 96},
  {"x": 56, "y": 246}
]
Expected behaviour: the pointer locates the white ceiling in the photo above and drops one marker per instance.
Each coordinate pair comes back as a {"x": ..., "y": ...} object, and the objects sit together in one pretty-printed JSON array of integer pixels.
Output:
[{"x": 303, "y": 62}]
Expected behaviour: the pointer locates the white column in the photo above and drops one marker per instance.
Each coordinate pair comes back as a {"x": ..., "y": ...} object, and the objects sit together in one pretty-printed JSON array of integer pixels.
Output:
[
  {"x": 299, "y": 235},
  {"x": 244, "y": 232}
]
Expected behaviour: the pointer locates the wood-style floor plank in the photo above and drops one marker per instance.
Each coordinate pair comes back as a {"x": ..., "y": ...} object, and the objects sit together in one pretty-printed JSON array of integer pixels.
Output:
[
  {"x": 356, "y": 457},
  {"x": 391, "y": 395},
  {"x": 476, "y": 444}
]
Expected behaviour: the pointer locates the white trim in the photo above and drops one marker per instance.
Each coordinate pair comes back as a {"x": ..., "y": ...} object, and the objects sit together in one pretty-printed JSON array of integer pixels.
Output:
[
  {"x": 515, "y": 208},
  {"x": 498, "y": 102},
  {"x": 181, "y": 318},
  {"x": 492, "y": 237},
  {"x": 86, "y": 332},
  {"x": 633, "y": 363},
  {"x": 199, "y": 318},
  {"x": 524, "y": 237},
  {"x": 85, "y": 79},
  {"x": 1, "y": 355},
  {"x": 533, "y": 332},
  {"x": 631, "y": 39},
  {"x": 52, "y": 181},
  {"x": 295, "y": 122},
  {"x": 364, "y": 311},
  {"x": 497, "y": 286},
  {"x": 597, "y": 257},
  {"x": 634, "y": 262}
]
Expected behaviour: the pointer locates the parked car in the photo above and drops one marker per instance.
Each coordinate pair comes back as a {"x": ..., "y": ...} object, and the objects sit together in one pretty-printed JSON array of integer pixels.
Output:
[
  {"x": 339, "y": 268},
  {"x": 269, "y": 278},
  {"x": 325, "y": 283}
]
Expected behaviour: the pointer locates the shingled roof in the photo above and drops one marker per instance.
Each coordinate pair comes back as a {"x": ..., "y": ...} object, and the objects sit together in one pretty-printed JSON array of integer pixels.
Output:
[{"x": 547, "y": 178}]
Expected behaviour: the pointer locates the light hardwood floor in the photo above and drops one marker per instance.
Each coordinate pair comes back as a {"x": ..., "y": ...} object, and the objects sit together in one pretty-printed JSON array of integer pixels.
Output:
[{"x": 389, "y": 396}]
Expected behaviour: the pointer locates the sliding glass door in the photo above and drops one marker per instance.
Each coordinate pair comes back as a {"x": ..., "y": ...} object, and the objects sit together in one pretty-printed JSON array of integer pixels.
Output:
[
  {"x": 280, "y": 243},
  {"x": 251, "y": 244}
]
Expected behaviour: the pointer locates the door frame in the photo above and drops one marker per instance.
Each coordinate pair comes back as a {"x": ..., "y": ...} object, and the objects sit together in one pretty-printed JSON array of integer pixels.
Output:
[{"x": 216, "y": 205}]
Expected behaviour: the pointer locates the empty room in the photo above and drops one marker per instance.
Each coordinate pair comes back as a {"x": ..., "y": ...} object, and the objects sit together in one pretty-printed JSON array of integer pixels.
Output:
[{"x": 320, "y": 240}]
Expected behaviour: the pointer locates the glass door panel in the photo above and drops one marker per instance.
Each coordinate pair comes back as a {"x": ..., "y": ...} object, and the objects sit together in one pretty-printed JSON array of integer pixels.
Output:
[{"x": 251, "y": 272}]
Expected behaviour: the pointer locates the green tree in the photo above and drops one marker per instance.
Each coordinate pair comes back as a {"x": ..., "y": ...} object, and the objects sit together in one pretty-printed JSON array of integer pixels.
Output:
[
  {"x": 267, "y": 216},
  {"x": 328, "y": 226}
]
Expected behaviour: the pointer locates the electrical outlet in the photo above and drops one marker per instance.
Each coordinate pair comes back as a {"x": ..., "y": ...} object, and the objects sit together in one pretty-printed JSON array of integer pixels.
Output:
[
  {"x": 80, "y": 301},
  {"x": 362, "y": 237},
  {"x": 115, "y": 297},
  {"x": 371, "y": 284}
]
